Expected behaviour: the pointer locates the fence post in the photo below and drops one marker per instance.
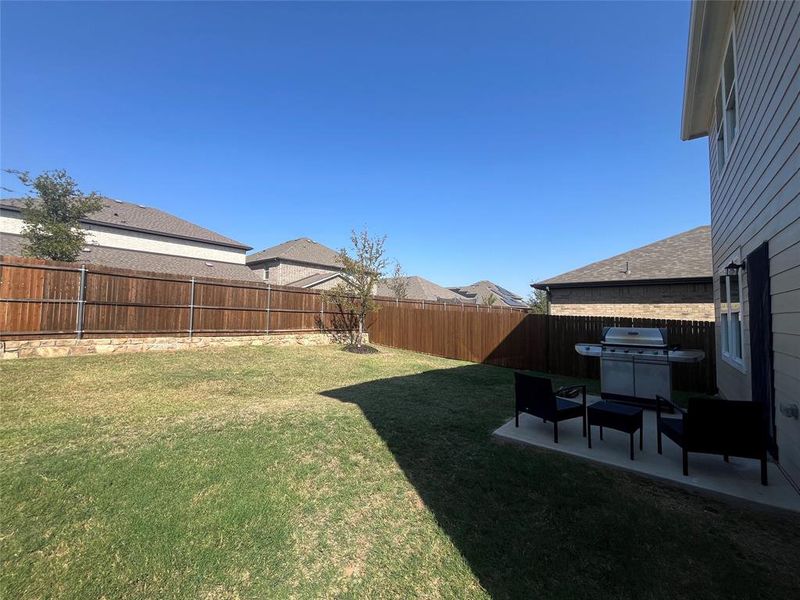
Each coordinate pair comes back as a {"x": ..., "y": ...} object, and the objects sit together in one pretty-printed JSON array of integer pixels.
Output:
[
  {"x": 547, "y": 343},
  {"x": 81, "y": 308},
  {"x": 269, "y": 299},
  {"x": 321, "y": 312},
  {"x": 191, "y": 310}
]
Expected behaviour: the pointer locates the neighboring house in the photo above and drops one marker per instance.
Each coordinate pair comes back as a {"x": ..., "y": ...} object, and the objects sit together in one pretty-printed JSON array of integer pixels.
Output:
[
  {"x": 298, "y": 263},
  {"x": 669, "y": 279},
  {"x": 134, "y": 236},
  {"x": 741, "y": 92},
  {"x": 418, "y": 288},
  {"x": 480, "y": 291}
]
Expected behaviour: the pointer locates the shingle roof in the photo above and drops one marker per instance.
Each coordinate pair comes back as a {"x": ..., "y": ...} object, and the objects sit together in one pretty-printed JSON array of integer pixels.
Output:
[
  {"x": 11, "y": 244},
  {"x": 482, "y": 289},
  {"x": 418, "y": 288},
  {"x": 302, "y": 250},
  {"x": 683, "y": 256},
  {"x": 137, "y": 217},
  {"x": 313, "y": 279}
]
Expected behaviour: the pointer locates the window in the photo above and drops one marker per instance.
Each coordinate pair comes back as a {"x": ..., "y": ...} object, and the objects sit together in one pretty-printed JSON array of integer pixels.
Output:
[
  {"x": 725, "y": 115},
  {"x": 266, "y": 273},
  {"x": 730, "y": 312}
]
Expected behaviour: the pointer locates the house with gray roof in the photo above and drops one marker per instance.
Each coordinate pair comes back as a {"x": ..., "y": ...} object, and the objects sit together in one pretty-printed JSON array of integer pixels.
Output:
[
  {"x": 298, "y": 263},
  {"x": 486, "y": 292},
  {"x": 419, "y": 288},
  {"x": 668, "y": 279},
  {"x": 135, "y": 236}
]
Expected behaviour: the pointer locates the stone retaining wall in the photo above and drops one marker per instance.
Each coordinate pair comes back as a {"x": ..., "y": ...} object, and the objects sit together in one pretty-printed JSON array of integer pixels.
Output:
[{"x": 71, "y": 347}]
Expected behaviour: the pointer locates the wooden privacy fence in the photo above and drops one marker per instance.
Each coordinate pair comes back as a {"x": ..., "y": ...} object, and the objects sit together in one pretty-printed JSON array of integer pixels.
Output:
[
  {"x": 536, "y": 342},
  {"x": 46, "y": 299},
  {"x": 43, "y": 299},
  {"x": 504, "y": 338}
]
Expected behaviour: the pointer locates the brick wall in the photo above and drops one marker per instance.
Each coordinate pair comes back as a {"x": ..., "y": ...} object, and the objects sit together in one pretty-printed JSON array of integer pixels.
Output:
[
  {"x": 285, "y": 273},
  {"x": 688, "y": 301}
]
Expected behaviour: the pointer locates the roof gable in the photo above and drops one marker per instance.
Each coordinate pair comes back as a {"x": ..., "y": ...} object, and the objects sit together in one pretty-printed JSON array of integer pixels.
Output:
[
  {"x": 683, "y": 256},
  {"x": 303, "y": 250}
]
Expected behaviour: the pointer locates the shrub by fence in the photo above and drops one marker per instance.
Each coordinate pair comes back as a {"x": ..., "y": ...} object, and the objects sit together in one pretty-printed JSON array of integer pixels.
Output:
[{"x": 46, "y": 299}]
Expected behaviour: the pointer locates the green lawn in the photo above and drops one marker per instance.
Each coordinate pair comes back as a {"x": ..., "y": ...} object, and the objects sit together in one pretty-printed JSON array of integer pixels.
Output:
[{"x": 309, "y": 472}]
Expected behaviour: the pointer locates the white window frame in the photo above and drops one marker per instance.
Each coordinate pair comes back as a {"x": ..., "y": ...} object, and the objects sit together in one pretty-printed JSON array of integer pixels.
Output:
[
  {"x": 720, "y": 127},
  {"x": 726, "y": 333}
]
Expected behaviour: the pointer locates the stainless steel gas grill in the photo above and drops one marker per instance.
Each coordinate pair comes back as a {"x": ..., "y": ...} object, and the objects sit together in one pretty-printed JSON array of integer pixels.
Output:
[{"x": 636, "y": 363}]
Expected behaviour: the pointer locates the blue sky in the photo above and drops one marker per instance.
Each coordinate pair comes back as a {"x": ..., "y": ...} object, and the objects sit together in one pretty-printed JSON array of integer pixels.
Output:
[{"x": 507, "y": 141}]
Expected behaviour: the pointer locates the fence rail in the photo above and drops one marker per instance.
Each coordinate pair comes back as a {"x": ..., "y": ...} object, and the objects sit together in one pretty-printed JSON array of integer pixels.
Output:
[{"x": 45, "y": 299}]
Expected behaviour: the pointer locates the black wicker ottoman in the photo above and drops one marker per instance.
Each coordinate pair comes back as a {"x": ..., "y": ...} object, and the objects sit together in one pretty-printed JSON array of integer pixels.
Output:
[{"x": 613, "y": 415}]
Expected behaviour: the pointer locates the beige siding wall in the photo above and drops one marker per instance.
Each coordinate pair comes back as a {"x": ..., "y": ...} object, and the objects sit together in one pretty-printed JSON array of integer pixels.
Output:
[
  {"x": 756, "y": 197},
  {"x": 113, "y": 237},
  {"x": 689, "y": 301}
]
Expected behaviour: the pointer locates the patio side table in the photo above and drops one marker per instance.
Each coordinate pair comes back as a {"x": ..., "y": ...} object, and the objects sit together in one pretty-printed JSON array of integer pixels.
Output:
[{"x": 622, "y": 417}]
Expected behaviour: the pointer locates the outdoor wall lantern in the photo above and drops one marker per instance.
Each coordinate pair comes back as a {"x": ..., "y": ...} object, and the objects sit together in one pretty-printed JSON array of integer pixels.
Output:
[{"x": 733, "y": 269}]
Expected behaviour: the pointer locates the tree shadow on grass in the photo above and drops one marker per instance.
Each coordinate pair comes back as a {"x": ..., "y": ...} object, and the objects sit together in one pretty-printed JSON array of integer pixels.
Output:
[{"x": 535, "y": 523}]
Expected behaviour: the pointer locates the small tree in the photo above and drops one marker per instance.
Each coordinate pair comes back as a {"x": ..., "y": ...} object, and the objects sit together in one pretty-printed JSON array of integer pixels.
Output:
[
  {"x": 538, "y": 302},
  {"x": 398, "y": 283},
  {"x": 52, "y": 216},
  {"x": 362, "y": 269},
  {"x": 489, "y": 299}
]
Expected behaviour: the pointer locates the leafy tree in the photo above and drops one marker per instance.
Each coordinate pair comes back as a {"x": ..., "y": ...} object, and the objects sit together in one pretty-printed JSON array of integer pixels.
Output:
[
  {"x": 538, "y": 302},
  {"x": 397, "y": 283},
  {"x": 52, "y": 215},
  {"x": 362, "y": 268},
  {"x": 489, "y": 299}
]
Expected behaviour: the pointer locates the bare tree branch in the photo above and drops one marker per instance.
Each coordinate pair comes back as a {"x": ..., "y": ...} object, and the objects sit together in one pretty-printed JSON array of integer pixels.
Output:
[{"x": 363, "y": 266}]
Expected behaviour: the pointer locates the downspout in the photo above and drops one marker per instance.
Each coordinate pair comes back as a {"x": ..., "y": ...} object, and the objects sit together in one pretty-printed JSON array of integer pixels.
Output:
[
  {"x": 549, "y": 298},
  {"x": 547, "y": 333}
]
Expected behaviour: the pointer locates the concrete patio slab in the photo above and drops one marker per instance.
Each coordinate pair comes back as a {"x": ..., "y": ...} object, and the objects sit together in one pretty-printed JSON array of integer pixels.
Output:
[{"x": 741, "y": 478}]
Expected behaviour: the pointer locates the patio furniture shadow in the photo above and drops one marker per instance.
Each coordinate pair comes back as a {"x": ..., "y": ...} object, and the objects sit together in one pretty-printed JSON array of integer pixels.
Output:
[{"x": 532, "y": 523}]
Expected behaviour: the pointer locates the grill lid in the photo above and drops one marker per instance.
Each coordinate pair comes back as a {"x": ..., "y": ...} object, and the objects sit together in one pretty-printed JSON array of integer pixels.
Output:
[{"x": 649, "y": 337}]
